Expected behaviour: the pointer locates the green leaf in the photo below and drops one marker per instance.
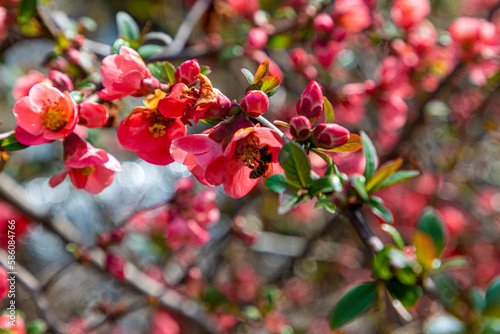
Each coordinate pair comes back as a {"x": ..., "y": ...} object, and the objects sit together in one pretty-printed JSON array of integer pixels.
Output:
[
  {"x": 289, "y": 200},
  {"x": 252, "y": 87},
  {"x": 382, "y": 264},
  {"x": 406, "y": 294},
  {"x": 272, "y": 91},
  {"x": 452, "y": 262},
  {"x": 205, "y": 70},
  {"x": 429, "y": 222},
  {"x": 262, "y": 71},
  {"x": 397, "y": 177},
  {"x": 269, "y": 83},
  {"x": 148, "y": 50},
  {"x": 36, "y": 327},
  {"x": 4, "y": 331},
  {"x": 325, "y": 185},
  {"x": 214, "y": 297},
  {"x": 380, "y": 210},
  {"x": 370, "y": 156},
  {"x": 492, "y": 327},
  {"x": 445, "y": 325},
  {"x": 359, "y": 184},
  {"x": 277, "y": 183},
  {"x": 478, "y": 300},
  {"x": 248, "y": 75},
  {"x": 115, "y": 48},
  {"x": 211, "y": 121},
  {"x": 384, "y": 172},
  {"x": 329, "y": 113},
  {"x": 492, "y": 308},
  {"x": 27, "y": 8},
  {"x": 294, "y": 161},
  {"x": 398, "y": 240},
  {"x": 163, "y": 71},
  {"x": 12, "y": 144},
  {"x": 326, "y": 204},
  {"x": 355, "y": 302},
  {"x": 127, "y": 27}
]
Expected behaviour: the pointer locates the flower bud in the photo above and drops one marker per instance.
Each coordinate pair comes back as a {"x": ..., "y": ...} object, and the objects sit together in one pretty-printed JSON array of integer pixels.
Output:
[
  {"x": 61, "y": 81},
  {"x": 300, "y": 128},
  {"x": 187, "y": 72},
  {"x": 257, "y": 38},
  {"x": 311, "y": 102},
  {"x": 323, "y": 23},
  {"x": 255, "y": 103},
  {"x": 329, "y": 135},
  {"x": 116, "y": 266}
]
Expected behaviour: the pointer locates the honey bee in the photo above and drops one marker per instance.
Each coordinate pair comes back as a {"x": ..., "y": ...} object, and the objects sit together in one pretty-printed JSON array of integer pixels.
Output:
[{"x": 263, "y": 162}]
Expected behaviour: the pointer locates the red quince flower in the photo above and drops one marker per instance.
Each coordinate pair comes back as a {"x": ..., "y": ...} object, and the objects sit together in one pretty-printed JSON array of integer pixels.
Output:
[
  {"x": 249, "y": 153},
  {"x": 126, "y": 74},
  {"x": 4, "y": 284},
  {"x": 92, "y": 114},
  {"x": 89, "y": 168},
  {"x": 44, "y": 115},
  {"x": 149, "y": 133},
  {"x": 24, "y": 83},
  {"x": 18, "y": 328}
]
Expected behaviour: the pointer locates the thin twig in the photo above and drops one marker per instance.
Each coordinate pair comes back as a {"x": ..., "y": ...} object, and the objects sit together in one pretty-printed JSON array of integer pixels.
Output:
[
  {"x": 33, "y": 286},
  {"x": 271, "y": 126}
]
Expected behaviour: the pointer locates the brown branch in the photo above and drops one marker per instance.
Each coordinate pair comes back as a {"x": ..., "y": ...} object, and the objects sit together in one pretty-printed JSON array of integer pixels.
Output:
[
  {"x": 12, "y": 193},
  {"x": 33, "y": 286}
]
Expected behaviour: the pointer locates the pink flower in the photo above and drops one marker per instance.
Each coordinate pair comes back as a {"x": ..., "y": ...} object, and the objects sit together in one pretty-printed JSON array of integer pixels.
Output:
[
  {"x": 162, "y": 322},
  {"x": 249, "y": 152},
  {"x": 44, "y": 115},
  {"x": 408, "y": 13},
  {"x": 115, "y": 264},
  {"x": 6, "y": 20},
  {"x": 257, "y": 38},
  {"x": 474, "y": 36},
  {"x": 300, "y": 127},
  {"x": 186, "y": 232},
  {"x": 245, "y": 8},
  {"x": 92, "y": 114},
  {"x": 350, "y": 104},
  {"x": 24, "y": 83},
  {"x": 454, "y": 219},
  {"x": 21, "y": 228},
  {"x": 61, "y": 81},
  {"x": 325, "y": 51},
  {"x": 311, "y": 102},
  {"x": 18, "y": 328},
  {"x": 148, "y": 133},
  {"x": 126, "y": 74},
  {"x": 89, "y": 168},
  {"x": 329, "y": 135},
  {"x": 255, "y": 103},
  {"x": 352, "y": 15},
  {"x": 188, "y": 72},
  {"x": 4, "y": 284},
  {"x": 323, "y": 23}
]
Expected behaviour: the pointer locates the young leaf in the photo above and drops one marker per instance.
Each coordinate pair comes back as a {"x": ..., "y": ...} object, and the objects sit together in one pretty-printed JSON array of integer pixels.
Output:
[
  {"x": 27, "y": 8},
  {"x": 296, "y": 164},
  {"x": 353, "y": 144},
  {"x": 205, "y": 70},
  {"x": 12, "y": 144},
  {"x": 384, "y": 172},
  {"x": 277, "y": 183},
  {"x": 406, "y": 294},
  {"x": 115, "y": 47},
  {"x": 325, "y": 185},
  {"x": 425, "y": 250},
  {"x": 269, "y": 83},
  {"x": 148, "y": 50},
  {"x": 359, "y": 184},
  {"x": 397, "y": 177},
  {"x": 398, "y": 240},
  {"x": 380, "y": 210},
  {"x": 168, "y": 72},
  {"x": 329, "y": 113},
  {"x": 354, "y": 303},
  {"x": 429, "y": 222},
  {"x": 370, "y": 156},
  {"x": 248, "y": 75},
  {"x": 492, "y": 308},
  {"x": 36, "y": 327},
  {"x": 289, "y": 200},
  {"x": 127, "y": 27},
  {"x": 262, "y": 71},
  {"x": 326, "y": 204}
]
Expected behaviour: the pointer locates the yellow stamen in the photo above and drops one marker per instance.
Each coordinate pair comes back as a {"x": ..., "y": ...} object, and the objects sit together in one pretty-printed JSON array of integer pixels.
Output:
[{"x": 54, "y": 118}]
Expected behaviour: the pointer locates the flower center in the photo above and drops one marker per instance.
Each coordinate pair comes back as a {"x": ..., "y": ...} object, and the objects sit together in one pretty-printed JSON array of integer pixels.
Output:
[
  {"x": 54, "y": 118},
  {"x": 86, "y": 170},
  {"x": 158, "y": 124},
  {"x": 257, "y": 157}
]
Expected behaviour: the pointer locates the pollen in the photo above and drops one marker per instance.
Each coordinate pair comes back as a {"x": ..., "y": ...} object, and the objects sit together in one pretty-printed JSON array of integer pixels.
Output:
[
  {"x": 86, "y": 170},
  {"x": 248, "y": 150},
  {"x": 54, "y": 118},
  {"x": 158, "y": 124}
]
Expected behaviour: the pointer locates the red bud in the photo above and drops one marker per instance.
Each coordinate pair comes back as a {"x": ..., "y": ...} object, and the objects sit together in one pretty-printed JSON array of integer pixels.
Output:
[
  {"x": 300, "y": 128},
  {"x": 255, "y": 103},
  {"x": 329, "y": 135}
]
